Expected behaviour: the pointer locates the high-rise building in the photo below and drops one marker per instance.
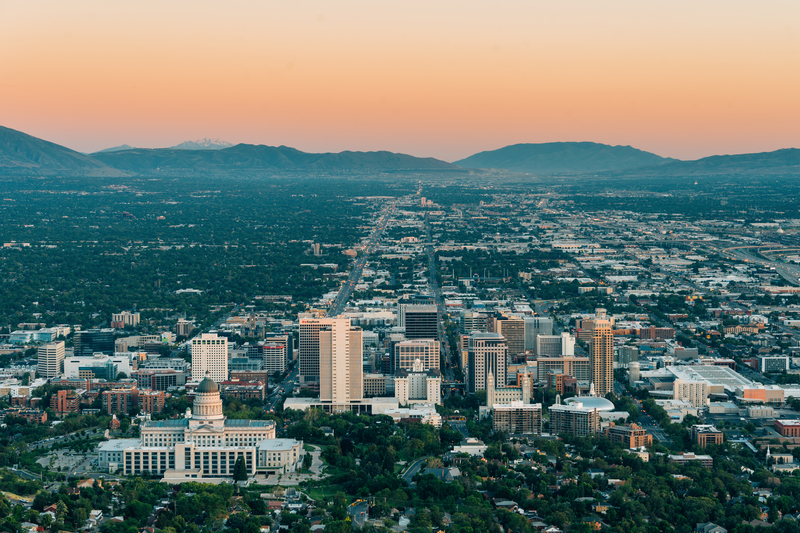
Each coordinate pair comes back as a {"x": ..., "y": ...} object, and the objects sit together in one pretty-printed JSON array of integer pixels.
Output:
[
  {"x": 626, "y": 355},
  {"x": 407, "y": 352},
  {"x": 308, "y": 348},
  {"x": 692, "y": 391},
  {"x": 419, "y": 321},
  {"x": 341, "y": 377},
  {"x": 601, "y": 354},
  {"x": 555, "y": 345},
  {"x": 210, "y": 357},
  {"x": 473, "y": 321},
  {"x": 123, "y": 319},
  {"x": 286, "y": 339},
  {"x": 90, "y": 341},
  {"x": 487, "y": 354},
  {"x": 418, "y": 386},
  {"x": 274, "y": 354},
  {"x": 534, "y": 326},
  {"x": 574, "y": 419},
  {"x": 51, "y": 360},
  {"x": 574, "y": 366},
  {"x": 518, "y": 418},
  {"x": 513, "y": 329},
  {"x": 183, "y": 328}
]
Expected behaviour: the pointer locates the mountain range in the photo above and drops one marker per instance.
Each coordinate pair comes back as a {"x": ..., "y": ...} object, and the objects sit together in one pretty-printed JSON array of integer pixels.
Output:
[
  {"x": 562, "y": 157},
  {"x": 21, "y": 153}
]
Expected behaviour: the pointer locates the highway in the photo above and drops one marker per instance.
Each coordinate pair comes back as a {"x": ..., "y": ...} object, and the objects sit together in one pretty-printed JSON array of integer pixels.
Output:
[{"x": 789, "y": 272}]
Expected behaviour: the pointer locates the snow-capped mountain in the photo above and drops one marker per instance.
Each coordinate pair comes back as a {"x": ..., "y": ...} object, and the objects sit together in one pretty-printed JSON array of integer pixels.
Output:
[{"x": 203, "y": 144}]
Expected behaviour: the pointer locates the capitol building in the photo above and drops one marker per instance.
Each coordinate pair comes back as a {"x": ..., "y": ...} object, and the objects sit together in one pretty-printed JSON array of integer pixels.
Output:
[{"x": 203, "y": 446}]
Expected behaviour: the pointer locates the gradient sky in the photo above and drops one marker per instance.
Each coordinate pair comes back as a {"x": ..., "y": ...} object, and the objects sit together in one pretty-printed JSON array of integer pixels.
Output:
[{"x": 437, "y": 78}]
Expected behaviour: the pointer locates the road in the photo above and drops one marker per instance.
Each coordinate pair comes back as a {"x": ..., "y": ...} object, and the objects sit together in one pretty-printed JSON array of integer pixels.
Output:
[
  {"x": 790, "y": 273},
  {"x": 285, "y": 386},
  {"x": 369, "y": 246},
  {"x": 447, "y": 371},
  {"x": 413, "y": 469}
]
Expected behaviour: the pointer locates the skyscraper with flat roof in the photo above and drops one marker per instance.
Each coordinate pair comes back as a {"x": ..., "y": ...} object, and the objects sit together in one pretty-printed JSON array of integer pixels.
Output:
[
  {"x": 487, "y": 354},
  {"x": 210, "y": 357},
  {"x": 419, "y": 321},
  {"x": 51, "y": 360},
  {"x": 341, "y": 378},
  {"x": 308, "y": 347},
  {"x": 601, "y": 355}
]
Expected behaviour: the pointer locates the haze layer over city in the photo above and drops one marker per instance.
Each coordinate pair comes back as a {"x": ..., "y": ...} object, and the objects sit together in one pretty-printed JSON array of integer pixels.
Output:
[{"x": 448, "y": 267}]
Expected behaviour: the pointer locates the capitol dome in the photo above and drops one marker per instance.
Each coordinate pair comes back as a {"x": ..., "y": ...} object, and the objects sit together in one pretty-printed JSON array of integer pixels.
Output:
[{"x": 207, "y": 386}]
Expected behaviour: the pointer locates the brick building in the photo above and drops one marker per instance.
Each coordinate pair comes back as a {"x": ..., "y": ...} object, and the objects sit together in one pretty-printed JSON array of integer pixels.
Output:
[
  {"x": 152, "y": 401},
  {"x": 703, "y": 435},
  {"x": 788, "y": 428},
  {"x": 65, "y": 401},
  {"x": 243, "y": 390},
  {"x": 120, "y": 400},
  {"x": 632, "y": 436}
]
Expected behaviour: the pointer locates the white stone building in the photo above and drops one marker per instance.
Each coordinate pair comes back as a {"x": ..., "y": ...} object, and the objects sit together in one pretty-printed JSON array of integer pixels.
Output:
[{"x": 205, "y": 445}]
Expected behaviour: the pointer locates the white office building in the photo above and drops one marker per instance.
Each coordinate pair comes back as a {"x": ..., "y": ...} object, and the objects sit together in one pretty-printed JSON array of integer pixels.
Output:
[
  {"x": 418, "y": 386},
  {"x": 555, "y": 345},
  {"x": 210, "y": 355},
  {"x": 51, "y": 360}
]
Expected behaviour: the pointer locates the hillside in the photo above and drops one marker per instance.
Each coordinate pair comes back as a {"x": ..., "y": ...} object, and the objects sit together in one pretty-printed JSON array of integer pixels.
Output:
[
  {"x": 782, "y": 161},
  {"x": 259, "y": 157},
  {"x": 562, "y": 157},
  {"x": 21, "y": 153}
]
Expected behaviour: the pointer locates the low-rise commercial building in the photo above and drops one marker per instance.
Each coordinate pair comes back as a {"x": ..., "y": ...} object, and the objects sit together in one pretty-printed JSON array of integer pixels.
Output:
[
  {"x": 703, "y": 435},
  {"x": 788, "y": 428}
]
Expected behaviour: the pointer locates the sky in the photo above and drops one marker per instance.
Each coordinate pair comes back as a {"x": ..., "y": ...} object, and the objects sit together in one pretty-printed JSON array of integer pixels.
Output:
[{"x": 445, "y": 79}]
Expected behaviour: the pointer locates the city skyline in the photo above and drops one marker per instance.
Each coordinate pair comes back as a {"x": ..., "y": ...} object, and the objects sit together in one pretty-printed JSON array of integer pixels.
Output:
[{"x": 447, "y": 80}]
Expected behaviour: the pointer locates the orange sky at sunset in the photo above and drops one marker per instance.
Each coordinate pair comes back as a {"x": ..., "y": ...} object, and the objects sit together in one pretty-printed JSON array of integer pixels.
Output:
[{"x": 443, "y": 79}]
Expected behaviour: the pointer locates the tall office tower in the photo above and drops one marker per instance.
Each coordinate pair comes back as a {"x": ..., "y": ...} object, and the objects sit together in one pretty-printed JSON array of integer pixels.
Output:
[
  {"x": 487, "y": 353},
  {"x": 555, "y": 345},
  {"x": 51, "y": 360},
  {"x": 472, "y": 321},
  {"x": 93, "y": 340},
  {"x": 601, "y": 354},
  {"x": 274, "y": 356},
  {"x": 419, "y": 321},
  {"x": 536, "y": 325},
  {"x": 426, "y": 350},
  {"x": 210, "y": 354},
  {"x": 308, "y": 348},
  {"x": 287, "y": 339},
  {"x": 341, "y": 376},
  {"x": 513, "y": 329}
]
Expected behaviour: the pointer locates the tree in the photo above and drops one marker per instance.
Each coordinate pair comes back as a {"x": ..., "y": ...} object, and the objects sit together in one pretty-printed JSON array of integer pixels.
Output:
[{"x": 240, "y": 470}]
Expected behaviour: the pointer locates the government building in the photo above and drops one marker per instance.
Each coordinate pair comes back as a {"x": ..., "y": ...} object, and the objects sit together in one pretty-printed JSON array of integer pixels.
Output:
[{"x": 205, "y": 445}]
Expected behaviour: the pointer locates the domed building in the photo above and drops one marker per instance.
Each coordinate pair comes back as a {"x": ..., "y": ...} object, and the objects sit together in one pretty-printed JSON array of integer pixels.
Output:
[
  {"x": 592, "y": 401},
  {"x": 205, "y": 445}
]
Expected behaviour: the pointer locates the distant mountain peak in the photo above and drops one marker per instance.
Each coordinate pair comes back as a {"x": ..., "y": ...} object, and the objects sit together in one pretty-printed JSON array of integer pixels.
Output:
[
  {"x": 119, "y": 148},
  {"x": 202, "y": 144}
]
